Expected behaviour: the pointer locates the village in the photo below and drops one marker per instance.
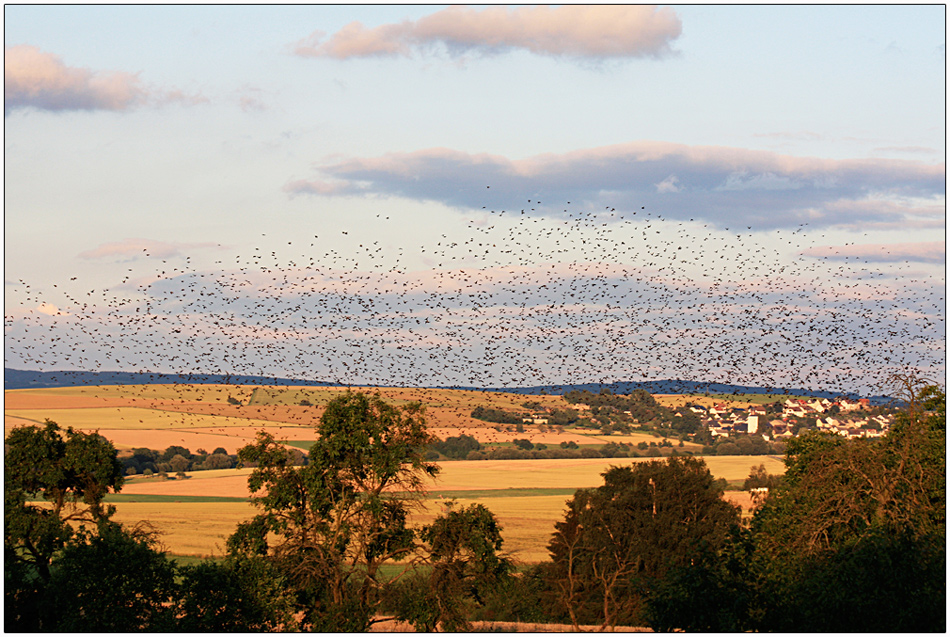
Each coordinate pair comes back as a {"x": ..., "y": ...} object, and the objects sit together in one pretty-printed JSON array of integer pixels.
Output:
[
  {"x": 845, "y": 417},
  {"x": 774, "y": 422}
]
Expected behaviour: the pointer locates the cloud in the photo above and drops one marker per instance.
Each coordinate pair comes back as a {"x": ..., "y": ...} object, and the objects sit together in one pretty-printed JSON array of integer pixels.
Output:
[
  {"x": 809, "y": 136},
  {"x": 50, "y": 310},
  {"x": 914, "y": 150},
  {"x": 720, "y": 184},
  {"x": 131, "y": 249},
  {"x": 668, "y": 185},
  {"x": 925, "y": 251},
  {"x": 511, "y": 325},
  {"x": 250, "y": 99},
  {"x": 37, "y": 79},
  {"x": 583, "y": 31}
]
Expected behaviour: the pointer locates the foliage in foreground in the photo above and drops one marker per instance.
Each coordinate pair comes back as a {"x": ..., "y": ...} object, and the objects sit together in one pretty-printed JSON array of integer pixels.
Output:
[{"x": 851, "y": 539}]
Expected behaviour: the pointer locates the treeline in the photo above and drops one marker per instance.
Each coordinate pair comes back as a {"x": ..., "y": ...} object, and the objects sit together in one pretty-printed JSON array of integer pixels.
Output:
[
  {"x": 466, "y": 447},
  {"x": 175, "y": 459},
  {"x": 490, "y": 414},
  {"x": 743, "y": 445},
  {"x": 178, "y": 459},
  {"x": 851, "y": 539}
]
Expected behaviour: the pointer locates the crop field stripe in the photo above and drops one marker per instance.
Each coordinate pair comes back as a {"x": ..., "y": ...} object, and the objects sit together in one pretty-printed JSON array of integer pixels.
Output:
[
  {"x": 499, "y": 493},
  {"x": 154, "y": 497},
  {"x": 301, "y": 444}
]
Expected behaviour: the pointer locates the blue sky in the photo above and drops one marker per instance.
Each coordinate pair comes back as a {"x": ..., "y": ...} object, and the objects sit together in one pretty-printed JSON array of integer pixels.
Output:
[{"x": 792, "y": 154}]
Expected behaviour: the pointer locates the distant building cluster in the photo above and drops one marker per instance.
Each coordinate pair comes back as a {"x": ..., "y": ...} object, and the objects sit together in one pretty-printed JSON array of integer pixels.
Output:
[{"x": 845, "y": 417}]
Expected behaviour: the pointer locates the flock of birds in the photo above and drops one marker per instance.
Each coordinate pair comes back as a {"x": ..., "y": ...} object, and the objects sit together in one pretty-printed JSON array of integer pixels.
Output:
[{"x": 520, "y": 299}]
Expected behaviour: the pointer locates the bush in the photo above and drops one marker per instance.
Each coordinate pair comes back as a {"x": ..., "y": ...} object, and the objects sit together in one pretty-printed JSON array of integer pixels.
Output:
[
  {"x": 218, "y": 461},
  {"x": 728, "y": 449},
  {"x": 457, "y": 446}
]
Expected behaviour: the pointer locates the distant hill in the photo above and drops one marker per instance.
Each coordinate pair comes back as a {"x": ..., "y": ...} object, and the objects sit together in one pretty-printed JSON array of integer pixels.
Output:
[
  {"x": 26, "y": 379},
  {"x": 681, "y": 387},
  {"x": 675, "y": 387}
]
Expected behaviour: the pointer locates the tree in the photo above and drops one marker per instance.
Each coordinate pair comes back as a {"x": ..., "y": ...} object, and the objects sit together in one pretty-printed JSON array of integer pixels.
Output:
[
  {"x": 240, "y": 594},
  {"x": 711, "y": 593},
  {"x": 171, "y": 452},
  {"x": 466, "y": 566},
  {"x": 116, "y": 580},
  {"x": 73, "y": 475},
  {"x": 457, "y": 446},
  {"x": 523, "y": 443},
  {"x": 858, "y": 529},
  {"x": 760, "y": 478},
  {"x": 327, "y": 527},
  {"x": 67, "y": 566},
  {"x": 179, "y": 463},
  {"x": 217, "y": 461},
  {"x": 618, "y": 540}
]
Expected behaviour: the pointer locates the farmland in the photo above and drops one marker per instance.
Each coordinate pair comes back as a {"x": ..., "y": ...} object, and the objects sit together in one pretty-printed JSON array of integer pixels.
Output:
[{"x": 196, "y": 514}]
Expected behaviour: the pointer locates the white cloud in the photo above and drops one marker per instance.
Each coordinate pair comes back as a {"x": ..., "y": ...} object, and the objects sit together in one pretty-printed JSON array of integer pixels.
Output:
[
  {"x": 925, "y": 251},
  {"x": 131, "y": 249},
  {"x": 668, "y": 185},
  {"x": 50, "y": 310},
  {"x": 588, "y": 31}
]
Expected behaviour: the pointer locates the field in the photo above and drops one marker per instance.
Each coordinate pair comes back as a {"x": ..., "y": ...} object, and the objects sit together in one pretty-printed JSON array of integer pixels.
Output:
[{"x": 195, "y": 515}]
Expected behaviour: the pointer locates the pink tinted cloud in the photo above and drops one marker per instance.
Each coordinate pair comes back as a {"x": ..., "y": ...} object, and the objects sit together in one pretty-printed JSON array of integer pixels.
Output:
[
  {"x": 589, "y": 31},
  {"x": 723, "y": 184},
  {"x": 926, "y": 251},
  {"x": 41, "y": 80},
  {"x": 130, "y": 249}
]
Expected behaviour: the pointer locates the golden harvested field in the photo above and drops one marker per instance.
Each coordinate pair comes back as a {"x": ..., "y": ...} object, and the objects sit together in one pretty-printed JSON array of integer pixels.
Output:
[
  {"x": 199, "y": 417},
  {"x": 528, "y": 520},
  {"x": 188, "y": 528},
  {"x": 678, "y": 400},
  {"x": 573, "y": 473},
  {"x": 103, "y": 418},
  {"x": 201, "y": 528},
  {"x": 635, "y": 437},
  {"x": 465, "y": 476},
  {"x": 220, "y": 483}
]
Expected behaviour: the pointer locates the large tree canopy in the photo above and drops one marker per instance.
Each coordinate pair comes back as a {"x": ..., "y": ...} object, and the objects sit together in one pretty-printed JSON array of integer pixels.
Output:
[
  {"x": 852, "y": 539},
  {"x": 72, "y": 474},
  {"x": 68, "y": 567},
  {"x": 620, "y": 538},
  {"x": 328, "y": 526}
]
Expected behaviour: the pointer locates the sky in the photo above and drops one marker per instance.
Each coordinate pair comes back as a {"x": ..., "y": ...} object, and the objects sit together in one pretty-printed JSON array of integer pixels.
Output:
[{"x": 478, "y": 196}]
